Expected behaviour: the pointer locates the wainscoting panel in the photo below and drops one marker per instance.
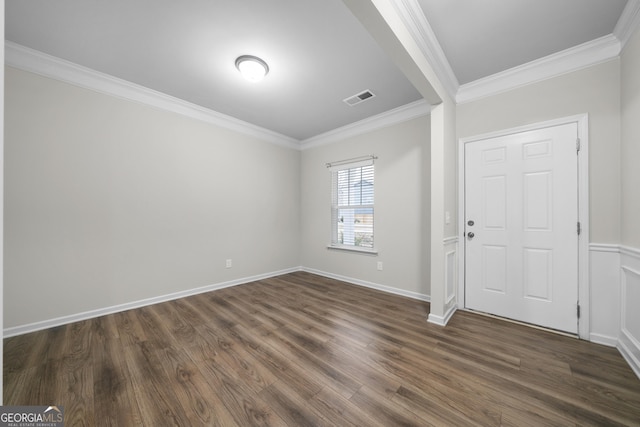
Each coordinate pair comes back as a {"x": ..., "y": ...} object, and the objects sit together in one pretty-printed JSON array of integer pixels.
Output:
[
  {"x": 450, "y": 249},
  {"x": 604, "y": 281},
  {"x": 450, "y": 276},
  {"x": 629, "y": 339},
  {"x": 451, "y": 269}
]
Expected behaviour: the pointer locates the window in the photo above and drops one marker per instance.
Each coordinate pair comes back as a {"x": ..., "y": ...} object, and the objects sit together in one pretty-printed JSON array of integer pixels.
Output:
[{"x": 352, "y": 205}]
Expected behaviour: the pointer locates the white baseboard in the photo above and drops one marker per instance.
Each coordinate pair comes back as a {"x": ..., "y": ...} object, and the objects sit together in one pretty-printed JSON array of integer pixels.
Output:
[
  {"x": 383, "y": 288},
  {"x": 51, "y": 323},
  {"x": 628, "y": 345},
  {"x": 630, "y": 350},
  {"x": 442, "y": 320},
  {"x": 45, "y": 324},
  {"x": 607, "y": 340}
]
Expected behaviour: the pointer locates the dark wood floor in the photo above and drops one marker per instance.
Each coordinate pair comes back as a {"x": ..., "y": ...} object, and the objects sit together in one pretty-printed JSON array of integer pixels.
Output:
[{"x": 303, "y": 350}]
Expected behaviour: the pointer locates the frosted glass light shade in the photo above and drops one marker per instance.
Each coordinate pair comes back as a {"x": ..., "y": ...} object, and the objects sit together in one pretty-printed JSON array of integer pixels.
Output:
[{"x": 252, "y": 68}]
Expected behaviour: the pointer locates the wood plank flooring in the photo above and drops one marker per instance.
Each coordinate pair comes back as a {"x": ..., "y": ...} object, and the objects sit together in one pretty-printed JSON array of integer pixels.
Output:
[{"x": 300, "y": 349}]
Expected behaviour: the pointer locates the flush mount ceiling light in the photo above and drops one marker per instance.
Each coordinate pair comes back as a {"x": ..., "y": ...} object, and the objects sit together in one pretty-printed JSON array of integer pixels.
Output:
[{"x": 252, "y": 68}]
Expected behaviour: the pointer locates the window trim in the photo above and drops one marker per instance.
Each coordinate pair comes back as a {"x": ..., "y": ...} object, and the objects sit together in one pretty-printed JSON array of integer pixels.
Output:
[
  {"x": 350, "y": 248},
  {"x": 334, "y": 168}
]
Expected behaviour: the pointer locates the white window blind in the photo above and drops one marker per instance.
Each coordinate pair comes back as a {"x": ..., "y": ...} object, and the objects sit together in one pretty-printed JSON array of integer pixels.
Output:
[{"x": 352, "y": 204}]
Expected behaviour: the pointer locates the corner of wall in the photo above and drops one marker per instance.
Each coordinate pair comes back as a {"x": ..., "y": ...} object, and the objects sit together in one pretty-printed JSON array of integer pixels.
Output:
[
  {"x": 615, "y": 292},
  {"x": 629, "y": 338}
]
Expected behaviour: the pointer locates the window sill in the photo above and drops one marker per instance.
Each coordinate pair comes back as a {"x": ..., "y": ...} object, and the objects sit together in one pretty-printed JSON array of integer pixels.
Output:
[{"x": 353, "y": 249}]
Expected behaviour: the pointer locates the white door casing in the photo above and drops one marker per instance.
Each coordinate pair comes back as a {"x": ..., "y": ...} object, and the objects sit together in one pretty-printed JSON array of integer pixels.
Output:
[{"x": 520, "y": 188}]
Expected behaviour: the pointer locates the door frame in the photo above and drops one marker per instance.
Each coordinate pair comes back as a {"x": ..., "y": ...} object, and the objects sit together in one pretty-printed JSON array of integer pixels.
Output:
[{"x": 584, "y": 293}]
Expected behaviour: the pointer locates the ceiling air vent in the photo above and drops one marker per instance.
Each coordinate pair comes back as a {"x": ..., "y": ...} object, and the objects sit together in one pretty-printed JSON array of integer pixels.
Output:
[{"x": 361, "y": 97}]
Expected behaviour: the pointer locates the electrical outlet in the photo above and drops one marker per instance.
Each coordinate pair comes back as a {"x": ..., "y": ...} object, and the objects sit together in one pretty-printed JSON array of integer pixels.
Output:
[
  {"x": 229, "y": 263},
  {"x": 379, "y": 265}
]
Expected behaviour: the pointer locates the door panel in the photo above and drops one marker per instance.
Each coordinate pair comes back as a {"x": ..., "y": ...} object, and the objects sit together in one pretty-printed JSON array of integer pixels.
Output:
[
  {"x": 495, "y": 213},
  {"x": 494, "y": 268},
  {"x": 538, "y": 270},
  {"x": 521, "y": 192},
  {"x": 538, "y": 201}
]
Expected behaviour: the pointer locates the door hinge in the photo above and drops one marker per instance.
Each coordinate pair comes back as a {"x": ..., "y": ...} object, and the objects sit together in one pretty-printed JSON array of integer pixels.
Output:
[
  {"x": 578, "y": 144},
  {"x": 579, "y": 228},
  {"x": 578, "y": 311}
]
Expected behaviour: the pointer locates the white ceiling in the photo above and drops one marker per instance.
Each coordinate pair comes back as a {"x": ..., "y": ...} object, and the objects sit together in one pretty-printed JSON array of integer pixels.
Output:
[
  {"x": 481, "y": 38},
  {"x": 318, "y": 52}
]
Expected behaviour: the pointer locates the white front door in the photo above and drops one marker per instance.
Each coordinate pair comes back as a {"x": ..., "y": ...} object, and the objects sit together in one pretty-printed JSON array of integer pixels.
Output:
[{"x": 521, "y": 220}]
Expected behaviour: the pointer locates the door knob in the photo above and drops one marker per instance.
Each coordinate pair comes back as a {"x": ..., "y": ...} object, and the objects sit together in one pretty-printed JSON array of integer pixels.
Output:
[
  {"x": 471, "y": 235},
  {"x": 470, "y": 223}
]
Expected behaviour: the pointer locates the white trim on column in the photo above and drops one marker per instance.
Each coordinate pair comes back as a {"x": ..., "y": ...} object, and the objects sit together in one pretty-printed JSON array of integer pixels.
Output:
[
  {"x": 443, "y": 320},
  {"x": 582, "y": 121},
  {"x": 417, "y": 24},
  {"x": 450, "y": 249},
  {"x": 451, "y": 265}
]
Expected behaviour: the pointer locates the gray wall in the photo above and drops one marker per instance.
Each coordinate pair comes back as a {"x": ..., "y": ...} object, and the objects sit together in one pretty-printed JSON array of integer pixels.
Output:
[
  {"x": 631, "y": 142},
  {"x": 401, "y": 221},
  {"x": 109, "y": 202}
]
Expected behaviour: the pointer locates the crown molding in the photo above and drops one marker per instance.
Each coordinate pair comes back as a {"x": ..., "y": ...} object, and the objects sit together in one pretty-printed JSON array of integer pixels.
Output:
[
  {"x": 416, "y": 23},
  {"x": 34, "y": 61},
  {"x": 628, "y": 23},
  {"x": 572, "y": 59},
  {"x": 397, "y": 115},
  {"x": 37, "y": 62},
  {"x": 566, "y": 61}
]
